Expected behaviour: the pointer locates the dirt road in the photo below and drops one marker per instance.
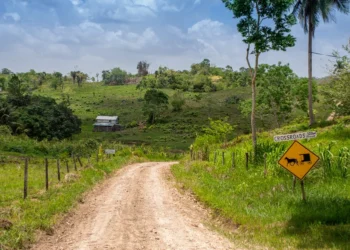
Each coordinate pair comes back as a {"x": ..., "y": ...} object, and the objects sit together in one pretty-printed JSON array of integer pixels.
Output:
[{"x": 138, "y": 208}]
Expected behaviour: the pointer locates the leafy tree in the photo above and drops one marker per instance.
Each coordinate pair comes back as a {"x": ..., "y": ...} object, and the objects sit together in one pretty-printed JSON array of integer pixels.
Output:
[
  {"x": 338, "y": 91},
  {"x": 155, "y": 102},
  {"x": 57, "y": 80},
  {"x": 149, "y": 81},
  {"x": 116, "y": 76},
  {"x": 201, "y": 83},
  {"x": 264, "y": 25},
  {"x": 6, "y": 71},
  {"x": 201, "y": 68},
  {"x": 261, "y": 115},
  {"x": 309, "y": 13},
  {"x": 81, "y": 77},
  {"x": 300, "y": 93},
  {"x": 178, "y": 101},
  {"x": 16, "y": 88},
  {"x": 142, "y": 68},
  {"x": 41, "y": 77},
  {"x": 275, "y": 90},
  {"x": 73, "y": 74},
  {"x": 43, "y": 118},
  {"x": 220, "y": 129},
  {"x": 217, "y": 132}
]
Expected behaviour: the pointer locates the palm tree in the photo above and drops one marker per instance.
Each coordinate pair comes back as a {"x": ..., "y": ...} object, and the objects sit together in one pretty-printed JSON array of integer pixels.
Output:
[{"x": 309, "y": 13}]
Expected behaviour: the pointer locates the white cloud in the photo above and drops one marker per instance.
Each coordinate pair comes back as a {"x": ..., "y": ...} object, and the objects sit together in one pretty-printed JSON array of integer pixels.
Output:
[
  {"x": 197, "y": 2},
  {"x": 207, "y": 28},
  {"x": 14, "y": 16}
]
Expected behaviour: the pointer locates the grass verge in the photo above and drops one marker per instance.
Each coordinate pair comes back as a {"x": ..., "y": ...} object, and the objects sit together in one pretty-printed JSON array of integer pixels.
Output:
[
  {"x": 267, "y": 210},
  {"x": 41, "y": 210}
]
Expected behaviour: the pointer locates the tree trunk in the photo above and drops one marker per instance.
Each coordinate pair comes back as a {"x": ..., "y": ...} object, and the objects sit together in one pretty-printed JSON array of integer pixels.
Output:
[
  {"x": 253, "y": 123},
  {"x": 311, "y": 111}
]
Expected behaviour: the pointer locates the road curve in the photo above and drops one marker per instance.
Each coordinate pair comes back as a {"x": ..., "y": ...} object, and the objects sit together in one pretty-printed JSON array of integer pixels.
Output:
[{"x": 138, "y": 208}]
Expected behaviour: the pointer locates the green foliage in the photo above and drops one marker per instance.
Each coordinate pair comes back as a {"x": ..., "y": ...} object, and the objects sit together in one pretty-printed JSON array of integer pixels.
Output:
[
  {"x": 39, "y": 212},
  {"x": 202, "y": 68},
  {"x": 252, "y": 15},
  {"x": 279, "y": 92},
  {"x": 178, "y": 101},
  {"x": 16, "y": 88},
  {"x": 57, "y": 80},
  {"x": 155, "y": 102},
  {"x": 265, "y": 208},
  {"x": 41, "y": 118},
  {"x": 197, "y": 81},
  {"x": 202, "y": 83},
  {"x": 300, "y": 93},
  {"x": 142, "y": 68},
  {"x": 3, "y": 83},
  {"x": 217, "y": 132},
  {"x": 6, "y": 71},
  {"x": 275, "y": 90},
  {"x": 5, "y": 130},
  {"x": 338, "y": 90},
  {"x": 116, "y": 76},
  {"x": 309, "y": 12}
]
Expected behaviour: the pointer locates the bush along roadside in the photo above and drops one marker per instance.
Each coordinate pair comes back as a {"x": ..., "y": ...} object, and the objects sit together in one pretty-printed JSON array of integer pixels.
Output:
[{"x": 257, "y": 196}]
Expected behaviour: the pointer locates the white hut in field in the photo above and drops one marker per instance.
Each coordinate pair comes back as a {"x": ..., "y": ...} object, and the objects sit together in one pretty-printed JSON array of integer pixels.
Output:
[{"x": 107, "y": 124}]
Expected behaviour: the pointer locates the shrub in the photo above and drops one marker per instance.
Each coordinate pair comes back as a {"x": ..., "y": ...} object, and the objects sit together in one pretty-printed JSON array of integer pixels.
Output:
[{"x": 178, "y": 101}]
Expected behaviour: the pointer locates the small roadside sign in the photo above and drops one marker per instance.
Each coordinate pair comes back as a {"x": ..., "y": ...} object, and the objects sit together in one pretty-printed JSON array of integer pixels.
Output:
[
  {"x": 110, "y": 151},
  {"x": 296, "y": 136},
  {"x": 298, "y": 160}
]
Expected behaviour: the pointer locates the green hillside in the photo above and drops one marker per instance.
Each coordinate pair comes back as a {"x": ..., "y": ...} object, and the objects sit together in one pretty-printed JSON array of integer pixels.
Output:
[{"x": 175, "y": 130}]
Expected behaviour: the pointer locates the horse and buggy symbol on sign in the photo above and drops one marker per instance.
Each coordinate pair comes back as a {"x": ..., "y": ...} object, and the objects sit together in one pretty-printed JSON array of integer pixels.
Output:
[{"x": 304, "y": 158}]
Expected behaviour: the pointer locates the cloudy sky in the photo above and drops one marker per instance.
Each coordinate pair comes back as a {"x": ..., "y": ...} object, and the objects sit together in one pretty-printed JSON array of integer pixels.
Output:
[{"x": 92, "y": 35}]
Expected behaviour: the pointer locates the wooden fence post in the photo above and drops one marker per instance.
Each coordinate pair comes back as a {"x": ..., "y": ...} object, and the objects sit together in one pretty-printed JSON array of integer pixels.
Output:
[
  {"x": 206, "y": 155},
  {"x": 215, "y": 155},
  {"x": 67, "y": 166},
  {"x": 223, "y": 158},
  {"x": 25, "y": 189},
  {"x": 303, "y": 190},
  {"x": 81, "y": 165},
  {"x": 75, "y": 163},
  {"x": 46, "y": 174},
  {"x": 246, "y": 160},
  {"x": 58, "y": 170}
]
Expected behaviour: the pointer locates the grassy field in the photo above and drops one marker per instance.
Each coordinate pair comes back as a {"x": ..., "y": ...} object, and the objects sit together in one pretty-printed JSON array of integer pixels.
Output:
[
  {"x": 176, "y": 130},
  {"x": 266, "y": 210},
  {"x": 42, "y": 209}
]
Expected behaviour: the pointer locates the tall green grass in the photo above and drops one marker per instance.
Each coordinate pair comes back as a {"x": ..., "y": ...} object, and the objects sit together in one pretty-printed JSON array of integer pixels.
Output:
[
  {"x": 267, "y": 210},
  {"x": 42, "y": 209}
]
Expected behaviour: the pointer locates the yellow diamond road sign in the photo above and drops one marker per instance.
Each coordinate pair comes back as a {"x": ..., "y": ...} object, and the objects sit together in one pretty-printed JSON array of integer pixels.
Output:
[{"x": 298, "y": 160}]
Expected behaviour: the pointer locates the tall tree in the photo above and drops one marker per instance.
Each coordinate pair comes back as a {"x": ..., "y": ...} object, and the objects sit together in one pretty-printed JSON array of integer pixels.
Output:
[
  {"x": 6, "y": 71},
  {"x": 309, "y": 13},
  {"x": 73, "y": 75},
  {"x": 264, "y": 25},
  {"x": 142, "y": 68}
]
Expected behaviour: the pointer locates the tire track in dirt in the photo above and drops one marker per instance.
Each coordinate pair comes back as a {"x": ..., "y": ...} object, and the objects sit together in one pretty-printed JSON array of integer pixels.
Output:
[{"x": 138, "y": 208}]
